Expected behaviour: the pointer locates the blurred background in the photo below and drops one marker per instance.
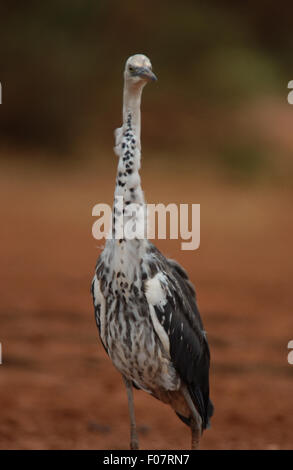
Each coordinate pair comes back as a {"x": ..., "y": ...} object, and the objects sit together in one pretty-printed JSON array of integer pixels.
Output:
[{"x": 216, "y": 130}]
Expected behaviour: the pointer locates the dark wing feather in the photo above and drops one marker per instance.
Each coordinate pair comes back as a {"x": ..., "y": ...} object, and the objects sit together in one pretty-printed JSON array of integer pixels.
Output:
[
  {"x": 181, "y": 320},
  {"x": 194, "y": 365}
]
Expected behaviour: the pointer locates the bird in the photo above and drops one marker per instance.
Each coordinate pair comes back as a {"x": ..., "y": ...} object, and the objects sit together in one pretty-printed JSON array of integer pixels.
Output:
[{"x": 145, "y": 305}]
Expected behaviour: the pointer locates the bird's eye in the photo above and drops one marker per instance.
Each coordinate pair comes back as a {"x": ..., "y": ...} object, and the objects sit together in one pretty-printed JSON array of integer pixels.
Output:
[{"x": 130, "y": 68}]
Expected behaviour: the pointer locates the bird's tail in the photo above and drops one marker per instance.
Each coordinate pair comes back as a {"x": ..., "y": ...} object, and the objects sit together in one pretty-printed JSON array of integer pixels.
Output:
[{"x": 210, "y": 413}]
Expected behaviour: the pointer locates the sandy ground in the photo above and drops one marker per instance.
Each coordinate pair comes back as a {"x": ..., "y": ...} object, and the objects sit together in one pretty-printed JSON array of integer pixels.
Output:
[{"x": 59, "y": 390}]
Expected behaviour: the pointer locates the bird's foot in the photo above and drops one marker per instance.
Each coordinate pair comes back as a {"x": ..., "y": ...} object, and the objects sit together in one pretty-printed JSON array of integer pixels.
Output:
[
  {"x": 195, "y": 444},
  {"x": 134, "y": 445}
]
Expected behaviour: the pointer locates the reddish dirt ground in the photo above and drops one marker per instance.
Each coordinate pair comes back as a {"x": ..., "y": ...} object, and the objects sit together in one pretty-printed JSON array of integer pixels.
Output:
[{"x": 58, "y": 388}]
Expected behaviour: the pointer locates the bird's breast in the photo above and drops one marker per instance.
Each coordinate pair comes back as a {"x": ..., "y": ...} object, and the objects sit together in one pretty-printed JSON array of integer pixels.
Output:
[{"x": 135, "y": 348}]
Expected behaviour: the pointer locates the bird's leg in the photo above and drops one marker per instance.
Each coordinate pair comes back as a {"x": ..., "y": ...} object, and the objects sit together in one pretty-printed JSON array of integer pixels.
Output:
[
  {"x": 195, "y": 422},
  {"x": 195, "y": 435},
  {"x": 133, "y": 431}
]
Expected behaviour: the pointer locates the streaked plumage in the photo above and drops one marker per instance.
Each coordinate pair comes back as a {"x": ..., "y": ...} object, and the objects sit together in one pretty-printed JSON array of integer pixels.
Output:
[{"x": 145, "y": 305}]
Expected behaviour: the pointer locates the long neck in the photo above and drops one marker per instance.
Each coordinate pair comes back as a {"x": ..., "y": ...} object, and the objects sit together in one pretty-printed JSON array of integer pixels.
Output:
[
  {"x": 128, "y": 147},
  {"x": 128, "y": 250},
  {"x": 131, "y": 107}
]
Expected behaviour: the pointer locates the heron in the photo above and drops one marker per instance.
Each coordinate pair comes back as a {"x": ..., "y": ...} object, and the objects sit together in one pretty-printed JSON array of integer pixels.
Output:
[{"x": 145, "y": 305}]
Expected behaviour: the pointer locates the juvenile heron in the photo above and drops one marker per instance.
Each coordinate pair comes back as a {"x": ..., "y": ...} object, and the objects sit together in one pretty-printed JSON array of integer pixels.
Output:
[{"x": 145, "y": 305}]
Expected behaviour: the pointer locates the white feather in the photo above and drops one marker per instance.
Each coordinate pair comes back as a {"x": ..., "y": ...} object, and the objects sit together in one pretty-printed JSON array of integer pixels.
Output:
[{"x": 156, "y": 295}]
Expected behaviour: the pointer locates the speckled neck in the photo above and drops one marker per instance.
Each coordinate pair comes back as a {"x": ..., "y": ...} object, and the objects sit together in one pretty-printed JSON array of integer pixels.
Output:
[
  {"x": 128, "y": 252},
  {"x": 131, "y": 107},
  {"x": 128, "y": 147}
]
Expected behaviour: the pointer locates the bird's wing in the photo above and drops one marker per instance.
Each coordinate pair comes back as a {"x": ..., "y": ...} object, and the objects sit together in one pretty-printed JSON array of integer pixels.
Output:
[
  {"x": 177, "y": 322},
  {"x": 99, "y": 304}
]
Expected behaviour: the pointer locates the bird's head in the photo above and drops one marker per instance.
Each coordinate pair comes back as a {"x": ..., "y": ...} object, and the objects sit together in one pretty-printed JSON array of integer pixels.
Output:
[{"x": 138, "y": 70}]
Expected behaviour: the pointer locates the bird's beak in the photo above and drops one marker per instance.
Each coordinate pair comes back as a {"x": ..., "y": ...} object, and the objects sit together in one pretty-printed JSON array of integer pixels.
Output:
[{"x": 146, "y": 73}]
